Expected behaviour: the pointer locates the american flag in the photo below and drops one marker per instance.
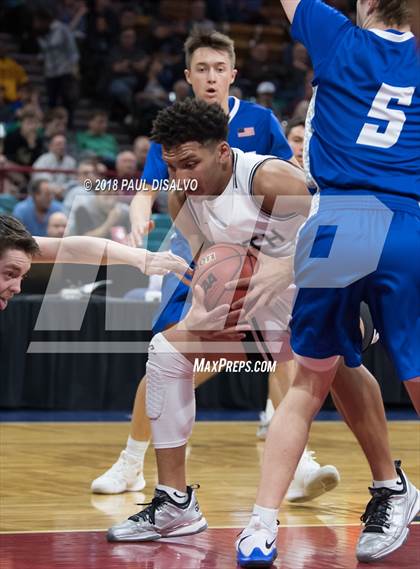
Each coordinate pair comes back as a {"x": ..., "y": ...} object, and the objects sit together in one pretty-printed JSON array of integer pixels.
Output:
[{"x": 247, "y": 131}]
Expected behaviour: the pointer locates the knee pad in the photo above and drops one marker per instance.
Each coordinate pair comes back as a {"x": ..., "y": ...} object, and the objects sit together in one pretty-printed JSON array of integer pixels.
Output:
[
  {"x": 315, "y": 364},
  {"x": 170, "y": 398}
]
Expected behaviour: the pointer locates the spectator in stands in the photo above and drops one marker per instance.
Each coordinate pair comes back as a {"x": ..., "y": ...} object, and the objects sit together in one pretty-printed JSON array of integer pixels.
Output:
[
  {"x": 301, "y": 109},
  {"x": 24, "y": 145},
  {"x": 198, "y": 16},
  {"x": 99, "y": 214},
  {"x": 127, "y": 17},
  {"x": 266, "y": 92},
  {"x": 12, "y": 75},
  {"x": 8, "y": 190},
  {"x": 181, "y": 90},
  {"x": 86, "y": 172},
  {"x": 300, "y": 106},
  {"x": 73, "y": 13},
  {"x": 126, "y": 165},
  {"x": 128, "y": 65},
  {"x": 166, "y": 36},
  {"x": 36, "y": 209},
  {"x": 141, "y": 147},
  {"x": 96, "y": 140},
  {"x": 126, "y": 169},
  {"x": 98, "y": 46},
  {"x": 7, "y": 111},
  {"x": 57, "y": 224},
  {"x": 55, "y": 158},
  {"x": 236, "y": 91},
  {"x": 295, "y": 132},
  {"x": 154, "y": 86},
  {"x": 55, "y": 122},
  {"x": 102, "y": 11},
  {"x": 258, "y": 68},
  {"x": 28, "y": 95},
  {"x": 61, "y": 57}
]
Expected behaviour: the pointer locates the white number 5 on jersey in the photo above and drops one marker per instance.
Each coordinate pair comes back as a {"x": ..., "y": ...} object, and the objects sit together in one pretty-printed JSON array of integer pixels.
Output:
[{"x": 370, "y": 135}]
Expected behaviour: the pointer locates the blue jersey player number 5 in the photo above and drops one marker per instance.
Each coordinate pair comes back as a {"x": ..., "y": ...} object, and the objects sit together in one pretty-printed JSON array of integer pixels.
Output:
[{"x": 371, "y": 134}]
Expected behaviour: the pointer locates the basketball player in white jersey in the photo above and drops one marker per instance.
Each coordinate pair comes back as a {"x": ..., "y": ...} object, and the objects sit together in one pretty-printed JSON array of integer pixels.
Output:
[
  {"x": 210, "y": 69},
  {"x": 240, "y": 199}
]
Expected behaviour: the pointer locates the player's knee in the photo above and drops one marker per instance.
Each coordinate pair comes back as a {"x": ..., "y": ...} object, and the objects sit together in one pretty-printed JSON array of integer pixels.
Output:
[
  {"x": 317, "y": 365},
  {"x": 170, "y": 402}
]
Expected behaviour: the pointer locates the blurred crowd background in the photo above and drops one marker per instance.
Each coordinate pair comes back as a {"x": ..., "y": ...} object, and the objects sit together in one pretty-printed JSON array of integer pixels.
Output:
[{"x": 81, "y": 82}]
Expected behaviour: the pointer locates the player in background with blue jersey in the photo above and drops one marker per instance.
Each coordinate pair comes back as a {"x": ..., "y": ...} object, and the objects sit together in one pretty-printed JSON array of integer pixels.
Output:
[{"x": 361, "y": 242}]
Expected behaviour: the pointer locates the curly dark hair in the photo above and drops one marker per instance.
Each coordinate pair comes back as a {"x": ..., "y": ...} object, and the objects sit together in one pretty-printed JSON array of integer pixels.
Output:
[
  {"x": 191, "y": 120},
  {"x": 394, "y": 11},
  {"x": 14, "y": 235}
]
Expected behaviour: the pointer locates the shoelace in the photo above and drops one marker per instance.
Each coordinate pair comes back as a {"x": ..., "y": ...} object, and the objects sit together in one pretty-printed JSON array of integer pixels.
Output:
[
  {"x": 376, "y": 514},
  {"x": 148, "y": 514}
]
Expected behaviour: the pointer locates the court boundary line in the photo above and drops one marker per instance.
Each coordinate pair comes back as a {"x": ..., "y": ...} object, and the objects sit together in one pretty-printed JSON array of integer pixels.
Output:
[{"x": 25, "y": 532}]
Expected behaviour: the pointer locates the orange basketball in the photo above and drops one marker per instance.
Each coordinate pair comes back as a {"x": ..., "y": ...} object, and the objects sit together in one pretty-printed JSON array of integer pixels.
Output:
[{"x": 218, "y": 265}]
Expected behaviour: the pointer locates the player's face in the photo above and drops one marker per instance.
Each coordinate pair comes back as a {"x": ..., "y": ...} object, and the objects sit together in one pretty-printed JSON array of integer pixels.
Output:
[
  {"x": 14, "y": 264},
  {"x": 295, "y": 139},
  {"x": 211, "y": 74},
  {"x": 198, "y": 169}
]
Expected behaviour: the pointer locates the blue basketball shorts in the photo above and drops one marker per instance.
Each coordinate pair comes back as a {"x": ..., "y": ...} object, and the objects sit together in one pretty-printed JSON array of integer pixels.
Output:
[{"x": 352, "y": 249}]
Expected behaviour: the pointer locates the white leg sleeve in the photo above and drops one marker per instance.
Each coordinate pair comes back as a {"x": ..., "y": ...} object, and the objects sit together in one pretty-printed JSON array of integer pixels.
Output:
[{"x": 170, "y": 397}]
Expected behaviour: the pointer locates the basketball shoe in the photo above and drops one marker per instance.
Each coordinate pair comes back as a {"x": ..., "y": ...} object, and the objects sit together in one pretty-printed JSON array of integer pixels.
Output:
[
  {"x": 125, "y": 475},
  {"x": 311, "y": 479},
  {"x": 163, "y": 517},
  {"x": 386, "y": 518},
  {"x": 256, "y": 544}
]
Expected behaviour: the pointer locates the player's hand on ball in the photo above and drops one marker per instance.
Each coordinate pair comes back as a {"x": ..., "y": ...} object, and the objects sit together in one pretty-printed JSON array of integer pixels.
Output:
[
  {"x": 210, "y": 325},
  {"x": 139, "y": 230},
  {"x": 166, "y": 262},
  {"x": 273, "y": 276}
]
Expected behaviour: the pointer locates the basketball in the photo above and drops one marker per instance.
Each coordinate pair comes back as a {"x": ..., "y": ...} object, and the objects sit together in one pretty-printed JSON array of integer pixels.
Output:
[{"x": 218, "y": 265}]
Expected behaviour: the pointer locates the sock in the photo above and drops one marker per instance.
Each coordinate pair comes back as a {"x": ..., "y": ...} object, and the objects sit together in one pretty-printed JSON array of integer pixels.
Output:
[
  {"x": 266, "y": 515},
  {"x": 136, "y": 449},
  {"x": 269, "y": 409},
  {"x": 176, "y": 495},
  {"x": 394, "y": 484}
]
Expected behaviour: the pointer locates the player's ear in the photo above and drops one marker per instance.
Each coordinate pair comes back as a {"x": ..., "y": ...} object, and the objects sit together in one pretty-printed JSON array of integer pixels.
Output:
[
  {"x": 224, "y": 152},
  {"x": 187, "y": 74},
  {"x": 234, "y": 74},
  {"x": 373, "y": 4}
]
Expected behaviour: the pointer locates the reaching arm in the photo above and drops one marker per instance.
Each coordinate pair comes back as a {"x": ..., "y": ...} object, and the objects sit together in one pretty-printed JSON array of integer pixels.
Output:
[
  {"x": 93, "y": 250},
  {"x": 155, "y": 170},
  {"x": 289, "y": 6},
  {"x": 140, "y": 214}
]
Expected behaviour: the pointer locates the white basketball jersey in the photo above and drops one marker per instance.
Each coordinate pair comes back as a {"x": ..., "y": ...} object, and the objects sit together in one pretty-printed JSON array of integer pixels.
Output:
[{"x": 235, "y": 216}]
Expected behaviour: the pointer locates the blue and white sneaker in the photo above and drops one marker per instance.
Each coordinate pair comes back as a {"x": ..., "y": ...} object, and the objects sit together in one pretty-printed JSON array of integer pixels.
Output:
[{"x": 256, "y": 544}]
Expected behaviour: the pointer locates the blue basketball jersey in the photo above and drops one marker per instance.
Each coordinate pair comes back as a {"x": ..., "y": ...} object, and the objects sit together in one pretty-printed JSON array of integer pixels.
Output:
[
  {"x": 364, "y": 118},
  {"x": 252, "y": 128}
]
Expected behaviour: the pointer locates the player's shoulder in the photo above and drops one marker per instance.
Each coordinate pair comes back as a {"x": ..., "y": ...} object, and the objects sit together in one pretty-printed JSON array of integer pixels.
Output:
[{"x": 254, "y": 109}]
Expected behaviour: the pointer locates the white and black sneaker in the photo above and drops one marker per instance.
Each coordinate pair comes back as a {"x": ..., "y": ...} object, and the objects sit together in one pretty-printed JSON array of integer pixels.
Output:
[
  {"x": 163, "y": 517},
  {"x": 386, "y": 519}
]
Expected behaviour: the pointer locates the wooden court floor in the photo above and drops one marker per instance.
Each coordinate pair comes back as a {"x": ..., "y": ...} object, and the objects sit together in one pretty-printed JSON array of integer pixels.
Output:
[{"x": 46, "y": 470}]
